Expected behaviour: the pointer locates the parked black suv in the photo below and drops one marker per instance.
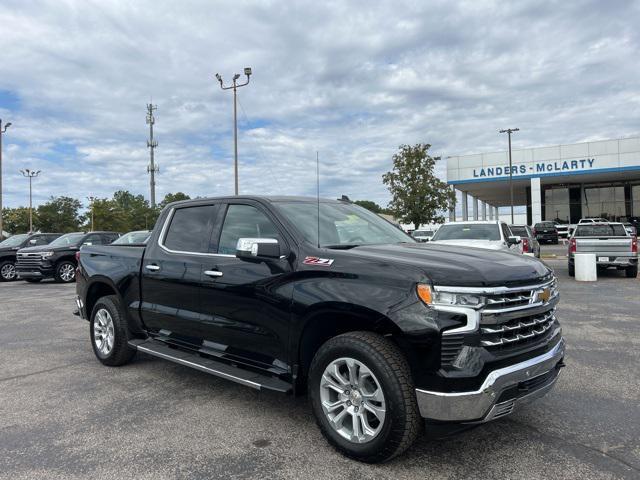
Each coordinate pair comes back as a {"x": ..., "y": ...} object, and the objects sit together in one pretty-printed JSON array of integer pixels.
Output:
[
  {"x": 11, "y": 245},
  {"x": 546, "y": 232},
  {"x": 379, "y": 329},
  {"x": 57, "y": 259}
]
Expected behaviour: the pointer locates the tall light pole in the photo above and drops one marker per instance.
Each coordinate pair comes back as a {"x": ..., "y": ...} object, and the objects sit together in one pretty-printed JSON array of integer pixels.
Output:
[
  {"x": 509, "y": 131},
  {"x": 152, "y": 144},
  {"x": 30, "y": 174},
  {"x": 235, "y": 86},
  {"x": 91, "y": 200},
  {"x": 2, "y": 130}
]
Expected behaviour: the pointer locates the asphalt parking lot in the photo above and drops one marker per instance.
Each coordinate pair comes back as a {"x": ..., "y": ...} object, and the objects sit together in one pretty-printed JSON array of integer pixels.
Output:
[{"x": 64, "y": 415}]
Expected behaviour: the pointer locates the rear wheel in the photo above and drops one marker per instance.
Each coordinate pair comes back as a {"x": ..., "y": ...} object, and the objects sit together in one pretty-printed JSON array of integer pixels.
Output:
[
  {"x": 631, "y": 272},
  {"x": 109, "y": 332},
  {"x": 7, "y": 271},
  {"x": 572, "y": 270},
  {"x": 363, "y": 397},
  {"x": 65, "y": 272}
]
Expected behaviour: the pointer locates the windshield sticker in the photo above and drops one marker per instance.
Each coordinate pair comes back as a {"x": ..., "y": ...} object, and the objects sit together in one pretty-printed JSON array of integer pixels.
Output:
[{"x": 322, "y": 262}]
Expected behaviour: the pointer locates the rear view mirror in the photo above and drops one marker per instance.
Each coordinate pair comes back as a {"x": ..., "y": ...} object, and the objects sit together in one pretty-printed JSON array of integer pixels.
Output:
[
  {"x": 514, "y": 240},
  {"x": 257, "y": 248}
]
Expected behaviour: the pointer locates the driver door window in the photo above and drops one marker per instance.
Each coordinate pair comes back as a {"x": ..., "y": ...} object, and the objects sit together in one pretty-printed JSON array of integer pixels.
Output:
[{"x": 244, "y": 221}]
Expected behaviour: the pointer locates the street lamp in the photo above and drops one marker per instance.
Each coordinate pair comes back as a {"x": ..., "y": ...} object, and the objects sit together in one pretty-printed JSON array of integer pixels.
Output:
[
  {"x": 235, "y": 86},
  {"x": 2, "y": 130},
  {"x": 91, "y": 200},
  {"x": 509, "y": 131},
  {"x": 30, "y": 174}
]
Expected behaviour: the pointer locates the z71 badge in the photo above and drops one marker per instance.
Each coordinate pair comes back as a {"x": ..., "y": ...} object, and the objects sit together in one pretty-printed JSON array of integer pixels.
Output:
[{"x": 321, "y": 262}]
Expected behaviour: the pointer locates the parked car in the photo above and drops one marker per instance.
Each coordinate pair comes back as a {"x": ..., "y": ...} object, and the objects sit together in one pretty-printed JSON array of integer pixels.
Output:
[
  {"x": 546, "y": 232},
  {"x": 379, "y": 329},
  {"x": 610, "y": 242},
  {"x": 563, "y": 229},
  {"x": 57, "y": 259},
  {"x": 490, "y": 234},
  {"x": 422, "y": 235},
  {"x": 137, "y": 237},
  {"x": 11, "y": 245},
  {"x": 530, "y": 245}
]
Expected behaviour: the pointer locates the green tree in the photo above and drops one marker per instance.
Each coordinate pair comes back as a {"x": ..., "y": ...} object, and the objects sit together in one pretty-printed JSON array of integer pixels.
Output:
[
  {"x": 369, "y": 205},
  {"x": 418, "y": 196},
  {"x": 16, "y": 220},
  {"x": 106, "y": 216},
  {"x": 173, "y": 197},
  {"x": 59, "y": 214}
]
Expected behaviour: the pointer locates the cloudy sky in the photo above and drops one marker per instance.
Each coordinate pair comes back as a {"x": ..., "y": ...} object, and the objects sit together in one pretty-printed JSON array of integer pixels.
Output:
[{"x": 352, "y": 80}]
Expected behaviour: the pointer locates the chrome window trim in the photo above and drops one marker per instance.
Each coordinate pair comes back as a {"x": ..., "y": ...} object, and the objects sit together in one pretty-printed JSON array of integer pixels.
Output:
[
  {"x": 491, "y": 290},
  {"x": 163, "y": 233}
]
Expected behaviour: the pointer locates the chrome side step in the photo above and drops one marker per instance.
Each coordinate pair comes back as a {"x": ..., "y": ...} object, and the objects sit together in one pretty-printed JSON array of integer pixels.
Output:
[{"x": 212, "y": 367}]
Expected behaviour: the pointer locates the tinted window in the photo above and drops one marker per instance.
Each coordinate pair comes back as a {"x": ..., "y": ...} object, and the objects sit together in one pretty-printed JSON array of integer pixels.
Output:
[
  {"x": 520, "y": 231},
  {"x": 14, "y": 241},
  {"x": 244, "y": 221},
  {"x": 93, "y": 240},
  {"x": 479, "y": 231},
  {"x": 586, "y": 230},
  {"x": 70, "y": 239},
  {"x": 506, "y": 233},
  {"x": 189, "y": 229}
]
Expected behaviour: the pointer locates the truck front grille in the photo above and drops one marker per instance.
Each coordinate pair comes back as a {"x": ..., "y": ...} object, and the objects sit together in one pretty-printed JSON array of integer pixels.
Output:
[
  {"x": 25, "y": 260},
  {"x": 518, "y": 330}
]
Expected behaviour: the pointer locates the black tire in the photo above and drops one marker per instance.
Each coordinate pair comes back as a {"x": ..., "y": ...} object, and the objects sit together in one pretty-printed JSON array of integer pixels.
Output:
[
  {"x": 7, "y": 271},
  {"x": 402, "y": 422},
  {"x": 572, "y": 270},
  {"x": 60, "y": 275},
  {"x": 120, "y": 352},
  {"x": 631, "y": 272}
]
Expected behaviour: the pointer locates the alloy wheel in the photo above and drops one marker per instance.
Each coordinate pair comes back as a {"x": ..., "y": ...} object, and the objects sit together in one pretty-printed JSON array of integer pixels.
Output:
[
  {"x": 103, "y": 331},
  {"x": 8, "y": 271},
  {"x": 352, "y": 400},
  {"x": 67, "y": 272}
]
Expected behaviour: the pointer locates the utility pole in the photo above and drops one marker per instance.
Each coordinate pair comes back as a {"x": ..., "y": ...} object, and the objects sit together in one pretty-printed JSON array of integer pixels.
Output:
[
  {"x": 235, "y": 86},
  {"x": 91, "y": 200},
  {"x": 2, "y": 131},
  {"x": 509, "y": 131},
  {"x": 152, "y": 168},
  {"x": 30, "y": 174}
]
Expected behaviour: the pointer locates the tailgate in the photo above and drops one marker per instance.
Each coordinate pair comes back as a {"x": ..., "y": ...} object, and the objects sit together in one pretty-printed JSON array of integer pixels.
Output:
[{"x": 606, "y": 246}]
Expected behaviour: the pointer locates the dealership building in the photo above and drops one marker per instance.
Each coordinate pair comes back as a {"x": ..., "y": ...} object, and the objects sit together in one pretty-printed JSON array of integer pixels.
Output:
[{"x": 562, "y": 182}]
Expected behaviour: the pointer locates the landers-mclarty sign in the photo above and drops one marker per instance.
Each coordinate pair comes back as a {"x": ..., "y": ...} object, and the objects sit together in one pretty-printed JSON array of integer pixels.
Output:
[{"x": 542, "y": 167}]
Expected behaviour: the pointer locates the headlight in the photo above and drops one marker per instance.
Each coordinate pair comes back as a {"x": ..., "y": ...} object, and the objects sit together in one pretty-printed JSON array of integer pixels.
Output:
[
  {"x": 46, "y": 254},
  {"x": 432, "y": 297}
]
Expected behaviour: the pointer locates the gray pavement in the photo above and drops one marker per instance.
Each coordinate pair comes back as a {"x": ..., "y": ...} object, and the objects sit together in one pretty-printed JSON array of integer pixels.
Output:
[{"x": 64, "y": 415}]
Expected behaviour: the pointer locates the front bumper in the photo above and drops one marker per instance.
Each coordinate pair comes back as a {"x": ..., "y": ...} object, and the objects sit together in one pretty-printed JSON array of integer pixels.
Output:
[
  {"x": 31, "y": 271},
  {"x": 611, "y": 260},
  {"x": 500, "y": 393}
]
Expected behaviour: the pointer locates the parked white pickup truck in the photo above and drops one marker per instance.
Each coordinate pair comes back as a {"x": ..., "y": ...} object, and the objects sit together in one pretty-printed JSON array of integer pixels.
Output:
[
  {"x": 610, "y": 242},
  {"x": 490, "y": 234}
]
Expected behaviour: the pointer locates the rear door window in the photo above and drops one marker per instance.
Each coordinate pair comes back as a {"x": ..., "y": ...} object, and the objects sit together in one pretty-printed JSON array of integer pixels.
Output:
[{"x": 190, "y": 229}]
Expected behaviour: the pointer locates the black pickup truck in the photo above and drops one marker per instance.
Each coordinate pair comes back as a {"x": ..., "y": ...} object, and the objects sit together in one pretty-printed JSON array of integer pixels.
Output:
[
  {"x": 10, "y": 247},
  {"x": 57, "y": 259},
  {"x": 379, "y": 329}
]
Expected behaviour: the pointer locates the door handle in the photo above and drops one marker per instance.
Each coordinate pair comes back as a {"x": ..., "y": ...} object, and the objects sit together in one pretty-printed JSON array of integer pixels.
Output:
[
  {"x": 153, "y": 268},
  {"x": 213, "y": 273}
]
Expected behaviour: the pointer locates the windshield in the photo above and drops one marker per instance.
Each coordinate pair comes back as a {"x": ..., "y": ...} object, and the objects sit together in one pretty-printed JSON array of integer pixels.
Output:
[
  {"x": 600, "y": 231},
  {"x": 68, "y": 239},
  {"x": 520, "y": 231},
  {"x": 468, "y": 232},
  {"x": 132, "y": 237},
  {"x": 422, "y": 233},
  {"x": 14, "y": 241},
  {"x": 341, "y": 224}
]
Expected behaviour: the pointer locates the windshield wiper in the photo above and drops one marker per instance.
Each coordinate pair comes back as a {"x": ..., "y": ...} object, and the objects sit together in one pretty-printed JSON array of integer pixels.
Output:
[{"x": 342, "y": 246}]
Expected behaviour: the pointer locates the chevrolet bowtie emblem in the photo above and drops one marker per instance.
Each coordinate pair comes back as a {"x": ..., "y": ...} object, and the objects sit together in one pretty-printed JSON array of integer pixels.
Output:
[{"x": 544, "y": 295}]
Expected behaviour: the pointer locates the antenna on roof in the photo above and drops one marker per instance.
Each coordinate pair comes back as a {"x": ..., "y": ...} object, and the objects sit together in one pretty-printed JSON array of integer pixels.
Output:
[{"x": 318, "y": 192}]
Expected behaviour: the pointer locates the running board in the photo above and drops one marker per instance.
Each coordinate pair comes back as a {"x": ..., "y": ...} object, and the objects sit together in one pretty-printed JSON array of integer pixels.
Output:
[{"x": 213, "y": 367}]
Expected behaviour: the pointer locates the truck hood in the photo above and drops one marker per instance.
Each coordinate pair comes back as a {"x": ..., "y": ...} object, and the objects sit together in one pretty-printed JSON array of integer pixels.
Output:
[
  {"x": 47, "y": 248},
  {"x": 457, "y": 266},
  {"x": 488, "y": 244},
  {"x": 5, "y": 250}
]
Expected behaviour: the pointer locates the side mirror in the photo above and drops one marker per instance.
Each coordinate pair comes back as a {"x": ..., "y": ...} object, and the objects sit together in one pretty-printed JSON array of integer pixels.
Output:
[
  {"x": 514, "y": 240},
  {"x": 33, "y": 241},
  {"x": 257, "y": 248}
]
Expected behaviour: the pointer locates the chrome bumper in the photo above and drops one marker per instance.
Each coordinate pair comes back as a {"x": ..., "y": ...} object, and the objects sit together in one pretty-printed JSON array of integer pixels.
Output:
[{"x": 482, "y": 405}]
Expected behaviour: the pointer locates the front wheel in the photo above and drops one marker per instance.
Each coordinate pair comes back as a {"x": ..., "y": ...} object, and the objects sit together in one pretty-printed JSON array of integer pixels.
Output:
[
  {"x": 7, "y": 271},
  {"x": 363, "y": 397},
  {"x": 109, "y": 332},
  {"x": 65, "y": 272}
]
